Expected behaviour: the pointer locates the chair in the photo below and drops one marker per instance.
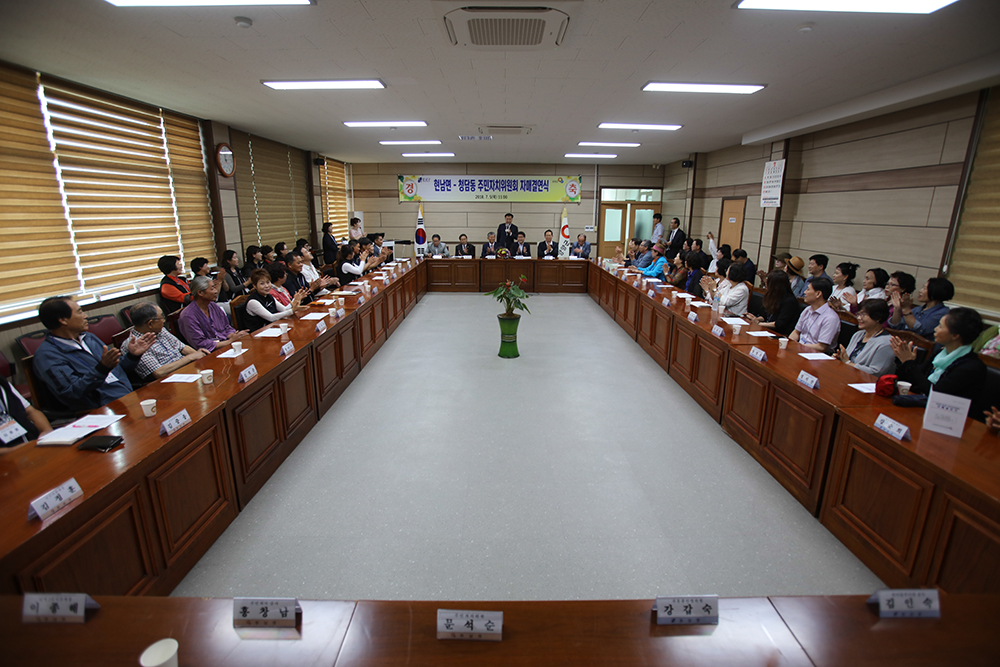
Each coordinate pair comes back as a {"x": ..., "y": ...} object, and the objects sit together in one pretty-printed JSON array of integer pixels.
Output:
[
  {"x": 121, "y": 337},
  {"x": 756, "y": 305},
  {"x": 30, "y": 342},
  {"x": 847, "y": 331},
  {"x": 104, "y": 327},
  {"x": 171, "y": 325},
  {"x": 125, "y": 316},
  {"x": 237, "y": 311},
  {"x": 7, "y": 371}
]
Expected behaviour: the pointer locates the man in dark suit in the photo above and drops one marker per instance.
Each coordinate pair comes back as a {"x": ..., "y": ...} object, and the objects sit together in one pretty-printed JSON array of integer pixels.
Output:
[
  {"x": 491, "y": 245},
  {"x": 547, "y": 248},
  {"x": 464, "y": 248},
  {"x": 696, "y": 247},
  {"x": 675, "y": 238},
  {"x": 507, "y": 233},
  {"x": 521, "y": 248}
]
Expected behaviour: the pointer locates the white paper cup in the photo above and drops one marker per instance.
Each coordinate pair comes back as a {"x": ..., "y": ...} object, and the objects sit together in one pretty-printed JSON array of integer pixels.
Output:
[
  {"x": 148, "y": 407},
  {"x": 207, "y": 377},
  {"x": 161, "y": 654},
  {"x": 333, "y": 312},
  {"x": 904, "y": 388},
  {"x": 284, "y": 327},
  {"x": 340, "y": 302},
  {"x": 736, "y": 329},
  {"x": 238, "y": 346},
  {"x": 782, "y": 343}
]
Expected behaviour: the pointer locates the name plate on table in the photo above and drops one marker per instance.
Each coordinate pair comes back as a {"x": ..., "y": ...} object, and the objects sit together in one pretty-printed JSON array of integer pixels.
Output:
[
  {"x": 49, "y": 503},
  {"x": 361, "y": 300},
  {"x": 907, "y": 603},
  {"x": 374, "y": 291},
  {"x": 758, "y": 354},
  {"x": 892, "y": 427},
  {"x": 548, "y": 257},
  {"x": 651, "y": 294},
  {"x": 719, "y": 331},
  {"x": 666, "y": 302},
  {"x": 692, "y": 316},
  {"x": 946, "y": 413},
  {"x": 56, "y": 607},
  {"x": 321, "y": 326},
  {"x": 287, "y": 349},
  {"x": 436, "y": 256},
  {"x": 248, "y": 373},
  {"x": 177, "y": 422},
  {"x": 340, "y": 313},
  {"x": 270, "y": 612},
  {"x": 490, "y": 257},
  {"x": 475, "y": 625},
  {"x": 808, "y": 380},
  {"x": 687, "y": 610},
  {"x": 635, "y": 284}
]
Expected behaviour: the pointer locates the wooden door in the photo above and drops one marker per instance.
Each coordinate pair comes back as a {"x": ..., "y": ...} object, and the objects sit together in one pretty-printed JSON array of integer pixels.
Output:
[
  {"x": 731, "y": 230},
  {"x": 613, "y": 230},
  {"x": 641, "y": 220}
]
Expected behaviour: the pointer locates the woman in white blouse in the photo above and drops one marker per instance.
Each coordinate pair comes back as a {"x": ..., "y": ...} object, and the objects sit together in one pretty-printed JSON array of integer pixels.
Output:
[
  {"x": 734, "y": 294},
  {"x": 872, "y": 287},
  {"x": 843, "y": 285}
]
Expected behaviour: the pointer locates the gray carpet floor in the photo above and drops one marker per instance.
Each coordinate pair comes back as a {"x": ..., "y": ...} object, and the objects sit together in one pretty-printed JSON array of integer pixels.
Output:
[{"x": 580, "y": 470}]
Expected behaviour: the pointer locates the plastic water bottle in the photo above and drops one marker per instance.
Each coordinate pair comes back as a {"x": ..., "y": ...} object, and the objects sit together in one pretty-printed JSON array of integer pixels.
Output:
[{"x": 716, "y": 303}]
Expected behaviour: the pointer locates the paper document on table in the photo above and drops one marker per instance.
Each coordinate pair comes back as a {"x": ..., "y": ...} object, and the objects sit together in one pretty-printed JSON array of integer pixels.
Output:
[
  {"x": 734, "y": 321},
  {"x": 863, "y": 387},
  {"x": 183, "y": 377},
  {"x": 341, "y": 293},
  {"x": 685, "y": 295},
  {"x": 81, "y": 428},
  {"x": 326, "y": 302},
  {"x": 231, "y": 353},
  {"x": 815, "y": 356},
  {"x": 274, "y": 332},
  {"x": 314, "y": 316},
  {"x": 700, "y": 304},
  {"x": 760, "y": 334}
]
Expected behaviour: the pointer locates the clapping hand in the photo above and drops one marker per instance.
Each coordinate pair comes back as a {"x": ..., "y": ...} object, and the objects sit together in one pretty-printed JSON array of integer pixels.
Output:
[
  {"x": 110, "y": 357},
  {"x": 903, "y": 350},
  {"x": 841, "y": 354},
  {"x": 138, "y": 345},
  {"x": 992, "y": 418}
]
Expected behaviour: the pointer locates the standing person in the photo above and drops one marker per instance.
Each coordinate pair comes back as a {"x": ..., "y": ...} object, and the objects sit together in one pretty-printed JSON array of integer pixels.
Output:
[
  {"x": 167, "y": 353},
  {"x": 547, "y": 248},
  {"x": 870, "y": 349},
  {"x": 233, "y": 283},
  {"x": 819, "y": 326},
  {"x": 329, "y": 244},
  {"x": 203, "y": 323},
  {"x": 174, "y": 289},
  {"x": 507, "y": 232},
  {"x": 581, "y": 248},
  {"x": 521, "y": 248},
  {"x": 491, "y": 245},
  {"x": 657, "y": 228},
  {"x": 355, "y": 230},
  {"x": 675, "y": 238},
  {"x": 464, "y": 248}
]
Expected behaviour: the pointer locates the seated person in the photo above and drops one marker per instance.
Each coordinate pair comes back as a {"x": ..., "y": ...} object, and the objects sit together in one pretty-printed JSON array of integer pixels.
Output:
[
  {"x": 992, "y": 418},
  {"x": 793, "y": 267},
  {"x": 749, "y": 270},
  {"x": 316, "y": 282},
  {"x": 437, "y": 248},
  {"x": 381, "y": 250},
  {"x": 490, "y": 247},
  {"x": 870, "y": 348},
  {"x": 902, "y": 282},
  {"x": 233, "y": 282},
  {"x": 278, "y": 274},
  {"x": 696, "y": 247},
  {"x": 581, "y": 248},
  {"x": 368, "y": 258},
  {"x": 693, "y": 285},
  {"x": 722, "y": 252},
  {"x": 174, "y": 289},
  {"x": 734, "y": 295},
  {"x": 13, "y": 406},
  {"x": 991, "y": 346},
  {"x": 644, "y": 255},
  {"x": 951, "y": 367},
  {"x": 268, "y": 253},
  {"x": 781, "y": 308},
  {"x": 167, "y": 353},
  {"x": 548, "y": 248},
  {"x": 872, "y": 287},
  {"x": 780, "y": 261},
  {"x": 80, "y": 371},
  {"x": 299, "y": 280},
  {"x": 254, "y": 260},
  {"x": 817, "y": 267},
  {"x": 843, "y": 285},
  {"x": 655, "y": 270},
  {"x": 200, "y": 267},
  {"x": 262, "y": 308},
  {"x": 922, "y": 320},
  {"x": 464, "y": 248},
  {"x": 349, "y": 266},
  {"x": 626, "y": 258},
  {"x": 679, "y": 273},
  {"x": 521, "y": 249},
  {"x": 281, "y": 252},
  {"x": 818, "y": 327},
  {"x": 203, "y": 323}
]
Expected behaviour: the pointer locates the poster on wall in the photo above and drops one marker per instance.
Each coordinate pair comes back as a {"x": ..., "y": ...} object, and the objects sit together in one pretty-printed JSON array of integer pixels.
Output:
[
  {"x": 468, "y": 188},
  {"x": 770, "y": 187}
]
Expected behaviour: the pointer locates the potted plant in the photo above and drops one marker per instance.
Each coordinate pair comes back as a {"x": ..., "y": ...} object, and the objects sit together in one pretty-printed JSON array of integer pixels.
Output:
[{"x": 510, "y": 293}]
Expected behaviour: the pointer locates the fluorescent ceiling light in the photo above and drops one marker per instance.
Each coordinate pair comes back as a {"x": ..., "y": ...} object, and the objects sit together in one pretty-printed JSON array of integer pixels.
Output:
[
  {"x": 415, "y": 142},
  {"x": 385, "y": 123},
  {"x": 590, "y": 155},
  {"x": 735, "y": 89},
  {"x": 867, "y": 6},
  {"x": 203, "y": 3},
  {"x": 608, "y": 144},
  {"x": 636, "y": 126},
  {"x": 365, "y": 84},
  {"x": 428, "y": 155}
]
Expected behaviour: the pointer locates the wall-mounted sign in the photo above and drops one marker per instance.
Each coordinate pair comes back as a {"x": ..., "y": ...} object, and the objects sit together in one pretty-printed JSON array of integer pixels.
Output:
[{"x": 468, "y": 188}]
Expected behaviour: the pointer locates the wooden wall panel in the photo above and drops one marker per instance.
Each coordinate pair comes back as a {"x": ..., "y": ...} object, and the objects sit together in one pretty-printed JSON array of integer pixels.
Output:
[{"x": 968, "y": 548}]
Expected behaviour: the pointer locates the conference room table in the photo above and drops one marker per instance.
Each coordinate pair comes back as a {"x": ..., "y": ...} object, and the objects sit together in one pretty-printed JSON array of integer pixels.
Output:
[{"x": 776, "y": 631}]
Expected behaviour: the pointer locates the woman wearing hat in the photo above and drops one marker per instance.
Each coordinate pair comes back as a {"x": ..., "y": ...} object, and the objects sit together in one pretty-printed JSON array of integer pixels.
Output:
[
  {"x": 793, "y": 267},
  {"x": 655, "y": 270}
]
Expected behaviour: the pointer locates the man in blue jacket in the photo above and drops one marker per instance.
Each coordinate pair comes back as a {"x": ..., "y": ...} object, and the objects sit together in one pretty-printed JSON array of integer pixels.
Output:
[{"x": 80, "y": 371}]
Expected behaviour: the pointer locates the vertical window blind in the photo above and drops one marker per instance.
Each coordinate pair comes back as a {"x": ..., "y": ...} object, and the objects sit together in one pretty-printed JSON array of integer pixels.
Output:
[
  {"x": 103, "y": 185},
  {"x": 333, "y": 194},
  {"x": 972, "y": 265},
  {"x": 271, "y": 190}
]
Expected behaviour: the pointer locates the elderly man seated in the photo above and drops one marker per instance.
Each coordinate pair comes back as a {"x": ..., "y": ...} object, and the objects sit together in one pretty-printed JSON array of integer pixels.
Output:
[
  {"x": 80, "y": 371},
  {"x": 203, "y": 323},
  {"x": 167, "y": 353}
]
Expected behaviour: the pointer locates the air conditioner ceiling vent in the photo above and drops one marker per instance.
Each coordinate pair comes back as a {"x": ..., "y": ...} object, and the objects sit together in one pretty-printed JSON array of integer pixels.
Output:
[{"x": 508, "y": 25}]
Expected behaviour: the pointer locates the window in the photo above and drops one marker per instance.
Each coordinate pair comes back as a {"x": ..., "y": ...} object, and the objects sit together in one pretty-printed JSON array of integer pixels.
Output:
[
  {"x": 96, "y": 189},
  {"x": 333, "y": 193}
]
